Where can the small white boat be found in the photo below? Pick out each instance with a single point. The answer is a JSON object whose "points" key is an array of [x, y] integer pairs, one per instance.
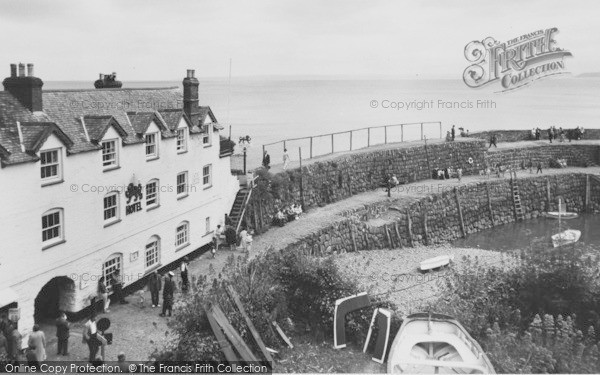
{"points": [[567, 237], [563, 215], [437, 262], [436, 344]]}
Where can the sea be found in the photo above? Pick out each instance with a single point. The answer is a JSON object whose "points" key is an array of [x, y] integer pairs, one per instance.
{"points": [[273, 109]]}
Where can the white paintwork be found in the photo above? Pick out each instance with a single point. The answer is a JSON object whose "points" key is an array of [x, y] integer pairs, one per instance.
{"points": [[439, 261], [26, 268], [566, 237]]}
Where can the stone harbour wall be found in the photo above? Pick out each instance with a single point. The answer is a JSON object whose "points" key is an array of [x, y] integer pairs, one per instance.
{"points": [[576, 155], [525, 135], [437, 218]]}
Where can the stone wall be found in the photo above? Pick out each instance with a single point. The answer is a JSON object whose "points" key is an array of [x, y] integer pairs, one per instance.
{"points": [[576, 155], [437, 218]]}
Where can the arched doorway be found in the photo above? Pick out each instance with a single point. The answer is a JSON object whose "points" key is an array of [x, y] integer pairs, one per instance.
{"points": [[58, 294]]}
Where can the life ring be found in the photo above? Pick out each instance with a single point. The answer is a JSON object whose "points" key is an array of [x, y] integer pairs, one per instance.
{"points": [[470, 160]]}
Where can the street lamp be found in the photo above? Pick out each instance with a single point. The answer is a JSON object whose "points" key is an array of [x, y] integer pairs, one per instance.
{"points": [[245, 142]]}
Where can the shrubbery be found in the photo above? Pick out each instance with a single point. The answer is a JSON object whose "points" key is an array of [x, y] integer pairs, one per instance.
{"points": [[294, 289], [531, 312]]}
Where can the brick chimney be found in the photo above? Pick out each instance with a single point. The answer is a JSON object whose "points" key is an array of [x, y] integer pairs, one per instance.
{"points": [[26, 88], [190, 94]]}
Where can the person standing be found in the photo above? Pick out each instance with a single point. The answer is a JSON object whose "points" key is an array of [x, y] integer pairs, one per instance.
{"points": [[539, 168], [3, 342], [117, 284], [550, 134], [154, 286], [14, 342], [218, 236], [243, 239], [185, 282], [89, 337], [168, 291], [266, 162], [453, 131], [37, 340], [459, 174], [103, 294], [286, 159], [493, 140], [62, 334]]}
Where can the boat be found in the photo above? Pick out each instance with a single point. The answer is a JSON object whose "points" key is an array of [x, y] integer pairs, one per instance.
{"points": [[566, 237], [437, 262], [561, 213], [436, 344]]}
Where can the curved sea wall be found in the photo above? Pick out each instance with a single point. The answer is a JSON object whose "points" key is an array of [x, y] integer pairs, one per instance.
{"points": [[525, 135], [576, 155], [443, 217]]}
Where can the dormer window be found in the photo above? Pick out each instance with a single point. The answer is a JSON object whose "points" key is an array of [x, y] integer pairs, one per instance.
{"points": [[151, 146], [182, 136], [50, 166], [207, 137], [110, 156]]}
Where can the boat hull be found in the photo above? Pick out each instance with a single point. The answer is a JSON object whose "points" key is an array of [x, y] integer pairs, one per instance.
{"points": [[437, 262], [562, 215], [569, 236], [436, 344]]}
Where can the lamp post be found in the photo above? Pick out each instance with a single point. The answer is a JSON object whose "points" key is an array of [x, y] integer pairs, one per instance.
{"points": [[245, 142]]}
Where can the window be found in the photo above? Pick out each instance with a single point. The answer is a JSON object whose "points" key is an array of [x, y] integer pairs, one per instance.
{"points": [[206, 137], [182, 236], [182, 139], [152, 251], [152, 194], [111, 207], [206, 175], [50, 167], [109, 154], [207, 225], [52, 227], [182, 183], [151, 146], [111, 265]]}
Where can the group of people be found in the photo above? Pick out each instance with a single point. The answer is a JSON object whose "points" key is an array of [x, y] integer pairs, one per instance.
{"points": [[11, 342], [266, 161], [288, 214], [558, 134], [451, 134]]}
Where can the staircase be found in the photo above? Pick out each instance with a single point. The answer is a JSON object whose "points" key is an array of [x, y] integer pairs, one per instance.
{"points": [[519, 215], [239, 207]]}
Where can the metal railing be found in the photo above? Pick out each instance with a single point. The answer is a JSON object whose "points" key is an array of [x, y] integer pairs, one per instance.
{"points": [[352, 135]]}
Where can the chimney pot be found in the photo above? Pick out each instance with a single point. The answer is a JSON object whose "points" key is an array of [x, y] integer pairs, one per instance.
{"points": [[30, 70], [21, 70], [13, 70], [191, 73]]}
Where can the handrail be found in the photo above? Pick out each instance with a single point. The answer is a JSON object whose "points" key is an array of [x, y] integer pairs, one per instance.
{"points": [[244, 205]]}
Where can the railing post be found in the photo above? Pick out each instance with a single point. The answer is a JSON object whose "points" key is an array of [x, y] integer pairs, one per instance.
{"points": [[421, 131], [440, 130], [284, 145], [263, 151], [311, 154], [401, 132], [385, 130], [332, 150], [351, 140], [368, 137]]}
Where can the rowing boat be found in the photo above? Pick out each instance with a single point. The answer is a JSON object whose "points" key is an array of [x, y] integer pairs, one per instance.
{"points": [[437, 262], [436, 344]]}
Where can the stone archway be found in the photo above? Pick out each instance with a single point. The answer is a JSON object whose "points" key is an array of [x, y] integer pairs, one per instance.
{"points": [[57, 295]]}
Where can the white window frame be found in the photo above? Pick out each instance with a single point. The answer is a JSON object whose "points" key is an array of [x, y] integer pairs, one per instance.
{"points": [[156, 203], [184, 192], [116, 263], [152, 252], [154, 155], [114, 162], [114, 208], [207, 178], [182, 235], [207, 138], [58, 227], [182, 140], [207, 226], [58, 163]]}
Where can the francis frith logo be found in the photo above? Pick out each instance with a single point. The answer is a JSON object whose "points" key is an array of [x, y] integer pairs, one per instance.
{"points": [[515, 63]]}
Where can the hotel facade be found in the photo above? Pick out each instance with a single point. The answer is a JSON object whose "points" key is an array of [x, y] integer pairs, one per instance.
{"points": [[94, 181]]}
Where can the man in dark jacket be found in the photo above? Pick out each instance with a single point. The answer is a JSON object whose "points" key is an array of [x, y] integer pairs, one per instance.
{"points": [[14, 343], [62, 334], [154, 285], [266, 162], [168, 292], [117, 284]]}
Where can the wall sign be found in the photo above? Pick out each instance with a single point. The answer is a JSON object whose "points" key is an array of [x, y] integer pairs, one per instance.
{"points": [[133, 256], [133, 193], [14, 314]]}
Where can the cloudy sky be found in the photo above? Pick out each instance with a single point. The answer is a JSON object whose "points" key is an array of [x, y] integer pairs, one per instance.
{"points": [[158, 40]]}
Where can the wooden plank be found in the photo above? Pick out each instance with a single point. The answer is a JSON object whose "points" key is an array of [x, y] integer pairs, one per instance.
{"points": [[460, 215], [233, 335], [489, 199], [587, 193], [370, 330], [283, 336], [389, 238], [425, 229], [353, 239], [236, 298], [409, 225], [398, 235], [230, 355]]}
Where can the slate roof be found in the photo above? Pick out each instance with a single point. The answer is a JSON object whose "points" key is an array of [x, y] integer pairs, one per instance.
{"points": [[36, 133], [129, 109]]}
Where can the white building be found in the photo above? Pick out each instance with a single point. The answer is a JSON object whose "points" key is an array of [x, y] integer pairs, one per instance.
{"points": [[98, 180]]}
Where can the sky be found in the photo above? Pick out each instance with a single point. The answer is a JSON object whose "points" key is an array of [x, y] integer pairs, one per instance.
{"points": [[158, 40]]}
